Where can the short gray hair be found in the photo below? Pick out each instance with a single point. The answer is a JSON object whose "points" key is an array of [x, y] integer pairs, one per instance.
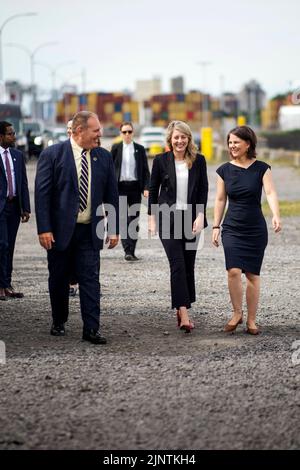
{"points": [[81, 119]]}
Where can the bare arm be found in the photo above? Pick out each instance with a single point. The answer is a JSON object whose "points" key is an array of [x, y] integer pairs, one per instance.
{"points": [[220, 203], [272, 199]]}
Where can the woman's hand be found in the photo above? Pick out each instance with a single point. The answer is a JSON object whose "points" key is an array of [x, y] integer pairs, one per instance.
{"points": [[276, 223], [215, 237], [198, 224], [151, 225]]}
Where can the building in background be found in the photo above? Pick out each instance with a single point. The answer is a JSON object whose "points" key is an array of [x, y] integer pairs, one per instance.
{"points": [[252, 100], [144, 89], [229, 104], [177, 85]]}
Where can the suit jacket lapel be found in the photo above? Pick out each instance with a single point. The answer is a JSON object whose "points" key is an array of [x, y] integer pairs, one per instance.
{"points": [[191, 182], [171, 169], [16, 165], [120, 154], [136, 153], [71, 161], [94, 163], [2, 166]]}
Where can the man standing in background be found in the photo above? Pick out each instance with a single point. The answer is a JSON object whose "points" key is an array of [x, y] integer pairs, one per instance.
{"points": [[14, 205], [132, 173]]}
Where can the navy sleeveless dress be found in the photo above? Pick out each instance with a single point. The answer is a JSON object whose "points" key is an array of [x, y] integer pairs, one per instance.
{"points": [[244, 229]]}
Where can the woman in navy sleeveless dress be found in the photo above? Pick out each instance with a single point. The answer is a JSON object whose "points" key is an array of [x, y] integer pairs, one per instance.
{"points": [[244, 229]]}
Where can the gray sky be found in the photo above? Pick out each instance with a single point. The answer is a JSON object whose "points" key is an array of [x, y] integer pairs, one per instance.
{"points": [[118, 42]]}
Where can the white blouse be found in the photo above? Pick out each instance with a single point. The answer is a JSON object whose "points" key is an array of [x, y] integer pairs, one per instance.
{"points": [[182, 176]]}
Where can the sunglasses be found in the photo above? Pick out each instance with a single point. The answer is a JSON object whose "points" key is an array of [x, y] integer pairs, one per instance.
{"points": [[126, 132]]}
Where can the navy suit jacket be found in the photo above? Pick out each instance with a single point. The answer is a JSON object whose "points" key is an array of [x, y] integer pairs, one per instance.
{"points": [[20, 179], [57, 193]]}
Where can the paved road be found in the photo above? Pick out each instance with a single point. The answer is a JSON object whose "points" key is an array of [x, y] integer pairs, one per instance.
{"points": [[152, 387]]}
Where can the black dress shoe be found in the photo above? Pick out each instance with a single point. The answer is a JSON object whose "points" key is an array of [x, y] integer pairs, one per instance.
{"points": [[129, 257], [58, 330], [10, 292], [93, 336]]}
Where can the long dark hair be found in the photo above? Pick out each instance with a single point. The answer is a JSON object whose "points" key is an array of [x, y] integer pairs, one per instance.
{"points": [[248, 135]]}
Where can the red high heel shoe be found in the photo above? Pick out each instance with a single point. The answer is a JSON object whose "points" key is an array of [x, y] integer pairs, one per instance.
{"points": [[191, 324]]}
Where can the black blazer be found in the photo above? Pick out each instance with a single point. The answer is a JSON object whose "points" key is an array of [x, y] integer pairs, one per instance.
{"points": [[57, 193], [163, 183], [21, 182], [142, 169]]}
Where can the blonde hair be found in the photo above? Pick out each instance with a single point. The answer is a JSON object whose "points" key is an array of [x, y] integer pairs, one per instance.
{"points": [[191, 150]]}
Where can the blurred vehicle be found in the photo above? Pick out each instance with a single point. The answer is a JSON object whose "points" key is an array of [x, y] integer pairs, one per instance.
{"points": [[117, 140], [54, 136], [155, 149], [34, 131], [110, 131], [153, 137], [12, 113]]}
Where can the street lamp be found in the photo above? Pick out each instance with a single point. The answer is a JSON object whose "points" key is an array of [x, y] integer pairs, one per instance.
{"points": [[204, 64], [53, 71], [31, 55], [1, 29]]}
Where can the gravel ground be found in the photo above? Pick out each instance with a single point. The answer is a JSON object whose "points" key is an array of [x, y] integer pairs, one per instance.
{"points": [[152, 386]]}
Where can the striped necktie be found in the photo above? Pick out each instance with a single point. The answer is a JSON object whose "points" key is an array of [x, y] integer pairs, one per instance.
{"points": [[83, 182]]}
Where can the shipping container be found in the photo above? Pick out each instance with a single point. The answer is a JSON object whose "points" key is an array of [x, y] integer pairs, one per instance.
{"points": [[118, 107], [127, 116], [92, 102]]}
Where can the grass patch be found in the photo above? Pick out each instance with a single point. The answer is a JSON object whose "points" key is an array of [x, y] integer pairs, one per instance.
{"points": [[287, 209]]}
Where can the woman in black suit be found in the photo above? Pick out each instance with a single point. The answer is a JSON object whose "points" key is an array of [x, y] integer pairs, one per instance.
{"points": [[177, 203]]}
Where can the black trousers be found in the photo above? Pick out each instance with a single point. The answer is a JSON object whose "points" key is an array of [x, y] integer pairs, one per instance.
{"points": [[9, 224], [85, 260], [181, 253], [130, 189]]}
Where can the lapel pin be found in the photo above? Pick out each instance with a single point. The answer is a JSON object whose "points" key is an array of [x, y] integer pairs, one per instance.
{"points": [[95, 159]]}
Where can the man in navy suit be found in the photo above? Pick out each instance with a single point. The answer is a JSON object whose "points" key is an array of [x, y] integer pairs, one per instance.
{"points": [[14, 205], [74, 180]]}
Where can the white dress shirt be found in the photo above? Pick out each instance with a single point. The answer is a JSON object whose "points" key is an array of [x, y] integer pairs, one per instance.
{"points": [[182, 176], [12, 170], [128, 172]]}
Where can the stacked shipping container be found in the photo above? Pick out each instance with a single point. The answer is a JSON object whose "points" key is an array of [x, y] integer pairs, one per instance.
{"points": [[112, 108]]}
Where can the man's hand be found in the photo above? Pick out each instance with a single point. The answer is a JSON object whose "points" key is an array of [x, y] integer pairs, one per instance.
{"points": [[46, 239], [25, 216], [112, 240]]}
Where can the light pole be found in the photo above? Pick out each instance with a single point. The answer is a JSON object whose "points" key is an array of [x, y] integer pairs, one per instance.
{"points": [[53, 71], [31, 55], [1, 29], [204, 64]]}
